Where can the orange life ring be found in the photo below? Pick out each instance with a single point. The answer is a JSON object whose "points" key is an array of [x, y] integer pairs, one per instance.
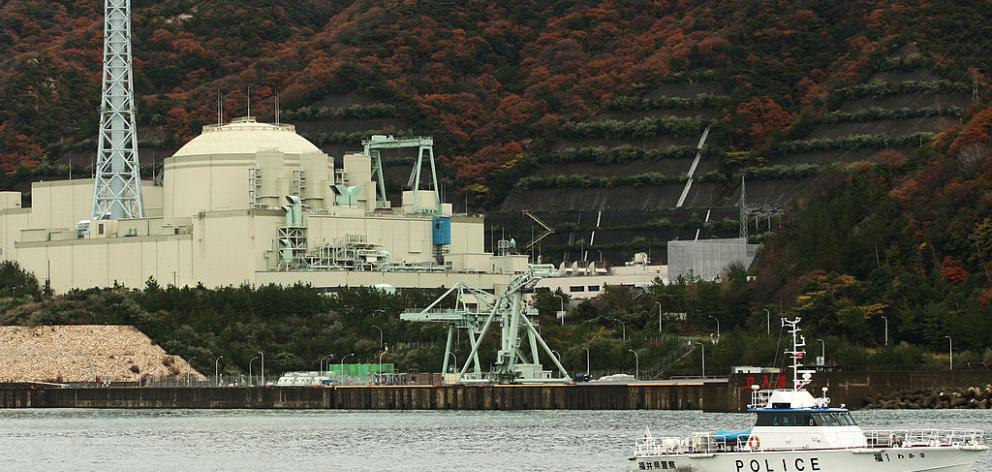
{"points": [[754, 442]]}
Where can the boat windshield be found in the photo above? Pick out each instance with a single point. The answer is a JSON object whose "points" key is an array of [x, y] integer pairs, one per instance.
{"points": [[801, 418]]}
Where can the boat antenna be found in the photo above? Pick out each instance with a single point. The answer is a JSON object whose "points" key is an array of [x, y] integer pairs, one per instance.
{"points": [[800, 377]]}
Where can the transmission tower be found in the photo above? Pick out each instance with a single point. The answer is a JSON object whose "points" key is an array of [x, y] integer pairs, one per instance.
{"points": [[743, 208], [117, 188]]}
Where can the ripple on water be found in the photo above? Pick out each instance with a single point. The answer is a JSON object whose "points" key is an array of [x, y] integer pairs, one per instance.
{"points": [[263, 440]]}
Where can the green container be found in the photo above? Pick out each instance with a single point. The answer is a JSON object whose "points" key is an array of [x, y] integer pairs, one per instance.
{"points": [[361, 370]]}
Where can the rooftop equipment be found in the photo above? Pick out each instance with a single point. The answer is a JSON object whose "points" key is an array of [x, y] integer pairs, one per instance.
{"points": [[425, 147]]}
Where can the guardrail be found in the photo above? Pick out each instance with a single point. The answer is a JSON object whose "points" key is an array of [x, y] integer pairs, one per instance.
{"points": [[707, 443], [924, 438]]}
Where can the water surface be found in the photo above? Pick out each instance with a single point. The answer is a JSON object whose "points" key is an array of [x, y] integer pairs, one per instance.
{"points": [[258, 440]]}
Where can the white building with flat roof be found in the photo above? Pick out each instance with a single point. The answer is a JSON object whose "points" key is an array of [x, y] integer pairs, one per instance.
{"points": [[584, 282], [254, 203]]}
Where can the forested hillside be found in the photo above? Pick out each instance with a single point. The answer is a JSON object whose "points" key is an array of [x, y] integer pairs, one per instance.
{"points": [[488, 79], [869, 121]]}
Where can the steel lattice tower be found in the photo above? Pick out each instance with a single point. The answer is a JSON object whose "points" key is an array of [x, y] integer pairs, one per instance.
{"points": [[117, 191]]}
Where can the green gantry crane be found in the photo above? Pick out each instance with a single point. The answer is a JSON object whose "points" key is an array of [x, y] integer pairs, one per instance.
{"points": [[518, 358], [425, 148]]}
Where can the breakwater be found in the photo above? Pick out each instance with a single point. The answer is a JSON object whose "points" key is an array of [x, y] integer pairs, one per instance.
{"points": [[972, 398], [856, 390], [859, 390], [691, 395]]}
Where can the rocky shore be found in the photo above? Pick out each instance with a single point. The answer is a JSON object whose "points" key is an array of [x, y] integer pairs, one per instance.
{"points": [[975, 398]]}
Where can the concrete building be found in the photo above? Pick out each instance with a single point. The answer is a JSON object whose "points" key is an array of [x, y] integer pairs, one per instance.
{"points": [[587, 282], [708, 259], [254, 203]]}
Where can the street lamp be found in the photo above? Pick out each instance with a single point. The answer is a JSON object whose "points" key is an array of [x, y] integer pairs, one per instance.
{"points": [[624, 325], [189, 371], [561, 314], [217, 370], [454, 365], [250, 378], [322, 363], [587, 360], [659, 316], [380, 362], [717, 327], [950, 348], [558, 355], [380, 335], [262, 369], [886, 319], [768, 321], [637, 365], [823, 351], [342, 362], [702, 357]]}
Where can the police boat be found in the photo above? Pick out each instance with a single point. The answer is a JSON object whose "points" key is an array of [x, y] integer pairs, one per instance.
{"points": [[795, 432]]}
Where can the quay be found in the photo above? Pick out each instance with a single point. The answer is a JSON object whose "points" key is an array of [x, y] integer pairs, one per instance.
{"points": [[668, 395], [713, 395]]}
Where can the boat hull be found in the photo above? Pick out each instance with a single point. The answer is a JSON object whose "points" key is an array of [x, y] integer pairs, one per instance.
{"points": [[915, 459]]}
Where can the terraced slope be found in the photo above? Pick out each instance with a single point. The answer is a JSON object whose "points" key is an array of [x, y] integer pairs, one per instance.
{"points": [[621, 174], [899, 109]]}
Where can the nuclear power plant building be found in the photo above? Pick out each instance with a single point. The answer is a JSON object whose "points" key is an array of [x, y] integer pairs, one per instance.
{"points": [[256, 203]]}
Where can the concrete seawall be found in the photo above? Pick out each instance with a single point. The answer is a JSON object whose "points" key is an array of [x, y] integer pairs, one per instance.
{"points": [[730, 395], [682, 396]]}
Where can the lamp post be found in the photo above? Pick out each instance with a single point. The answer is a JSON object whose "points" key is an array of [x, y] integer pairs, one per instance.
{"points": [[637, 365], [768, 322], [587, 360], [454, 365], [950, 349], [322, 363], [702, 357], [250, 378], [562, 312], [717, 327], [823, 351], [261, 374], [886, 320], [217, 370], [342, 362], [659, 316], [380, 362], [624, 327], [380, 335], [190, 370]]}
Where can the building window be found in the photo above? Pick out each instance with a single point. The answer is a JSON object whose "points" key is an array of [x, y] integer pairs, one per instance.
{"points": [[576, 288], [594, 288], [99, 229]]}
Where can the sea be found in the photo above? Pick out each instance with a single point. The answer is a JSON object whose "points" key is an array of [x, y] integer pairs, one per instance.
{"points": [[282, 441]]}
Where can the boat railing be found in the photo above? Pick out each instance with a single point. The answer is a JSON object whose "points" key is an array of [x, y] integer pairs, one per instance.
{"points": [[697, 443], [708, 443], [925, 438]]}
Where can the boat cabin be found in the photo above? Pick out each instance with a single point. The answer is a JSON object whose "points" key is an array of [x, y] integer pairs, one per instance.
{"points": [[790, 417]]}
